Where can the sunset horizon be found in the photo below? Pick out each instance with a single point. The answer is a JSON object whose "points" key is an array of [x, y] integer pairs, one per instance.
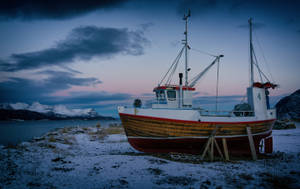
{"points": [[107, 54]]}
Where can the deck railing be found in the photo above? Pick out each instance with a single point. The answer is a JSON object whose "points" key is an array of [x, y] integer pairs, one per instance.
{"points": [[232, 113], [203, 112]]}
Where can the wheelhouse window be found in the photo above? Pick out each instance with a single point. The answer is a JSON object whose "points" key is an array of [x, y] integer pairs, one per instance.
{"points": [[171, 94], [160, 95]]}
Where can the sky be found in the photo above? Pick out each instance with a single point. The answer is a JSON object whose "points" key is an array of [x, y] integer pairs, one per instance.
{"points": [[101, 54]]}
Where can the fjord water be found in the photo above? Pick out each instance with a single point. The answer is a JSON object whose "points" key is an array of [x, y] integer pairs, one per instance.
{"points": [[13, 132]]}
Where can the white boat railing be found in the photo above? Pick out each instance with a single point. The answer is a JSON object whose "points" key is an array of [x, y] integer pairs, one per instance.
{"points": [[232, 113], [203, 112]]}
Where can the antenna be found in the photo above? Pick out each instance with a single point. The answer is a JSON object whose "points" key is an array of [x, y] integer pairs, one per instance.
{"points": [[185, 17], [251, 54]]}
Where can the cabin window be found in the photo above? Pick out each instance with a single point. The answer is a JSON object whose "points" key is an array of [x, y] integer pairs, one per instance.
{"points": [[171, 95], [162, 94]]}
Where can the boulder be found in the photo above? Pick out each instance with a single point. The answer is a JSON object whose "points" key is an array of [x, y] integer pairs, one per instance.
{"points": [[289, 107], [284, 124]]}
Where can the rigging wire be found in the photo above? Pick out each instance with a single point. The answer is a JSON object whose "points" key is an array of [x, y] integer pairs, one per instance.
{"points": [[256, 64], [172, 73], [259, 70], [174, 62], [265, 60], [203, 52], [173, 70]]}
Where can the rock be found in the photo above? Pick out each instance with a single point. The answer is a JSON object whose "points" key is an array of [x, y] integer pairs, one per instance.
{"points": [[289, 107], [283, 124]]}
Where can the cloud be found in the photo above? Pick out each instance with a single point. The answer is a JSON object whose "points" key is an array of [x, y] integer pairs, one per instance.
{"points": [[81, 43], [195, 6], [26, 90], [44, 91], [269, 8], [54, 9], [255, 25], [146, 26], [92, 97]]}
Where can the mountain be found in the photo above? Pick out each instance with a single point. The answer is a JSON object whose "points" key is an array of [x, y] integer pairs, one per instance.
{"points": [[289, 107], [37, 111]]}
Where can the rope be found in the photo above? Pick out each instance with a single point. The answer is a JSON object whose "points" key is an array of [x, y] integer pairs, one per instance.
{"points": [[265, 60], [174, 68], [259, 70], [174, 62], [203, 52], [256, 63]]}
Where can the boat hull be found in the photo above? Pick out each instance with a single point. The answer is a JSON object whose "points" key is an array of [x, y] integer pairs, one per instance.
{"points": [[160, 135]]}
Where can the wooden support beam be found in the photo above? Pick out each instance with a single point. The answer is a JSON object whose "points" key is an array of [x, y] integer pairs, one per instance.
{"points": [[211, 157], [209, 146], [251, 143], [225, 149], [206, 148], [218, 149]]}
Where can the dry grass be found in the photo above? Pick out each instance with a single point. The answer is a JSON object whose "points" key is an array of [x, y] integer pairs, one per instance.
{"points": [[70, 140], [46, 145], [66, 129], [103, 132], [52, 139], [114, 130]]}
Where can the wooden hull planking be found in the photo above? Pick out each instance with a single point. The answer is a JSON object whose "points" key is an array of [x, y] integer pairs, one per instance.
{"points": [[160, 135]]}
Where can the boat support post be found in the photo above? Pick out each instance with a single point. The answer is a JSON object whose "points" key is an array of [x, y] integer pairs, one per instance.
{"points": [[225, 149], [211, 142], [251, 143]]}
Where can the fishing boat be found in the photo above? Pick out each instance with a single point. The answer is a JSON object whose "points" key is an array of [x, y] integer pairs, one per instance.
{"points": [[173, 124]]}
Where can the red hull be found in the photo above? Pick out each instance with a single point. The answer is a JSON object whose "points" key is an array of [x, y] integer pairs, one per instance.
{"points": [[160, 135], [236, 146]]}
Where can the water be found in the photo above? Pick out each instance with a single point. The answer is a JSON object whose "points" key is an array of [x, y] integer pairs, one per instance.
{"points": [[13, 132]]}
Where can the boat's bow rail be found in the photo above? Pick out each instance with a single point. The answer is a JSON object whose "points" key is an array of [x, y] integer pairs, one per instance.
{"points": [[226, 113]]}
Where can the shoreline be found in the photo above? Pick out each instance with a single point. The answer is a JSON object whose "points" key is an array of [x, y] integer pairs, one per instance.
{"points": [[94, 157]]}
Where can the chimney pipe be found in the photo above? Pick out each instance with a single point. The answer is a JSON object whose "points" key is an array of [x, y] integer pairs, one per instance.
{"points": [[180, 78], [180, 100]]}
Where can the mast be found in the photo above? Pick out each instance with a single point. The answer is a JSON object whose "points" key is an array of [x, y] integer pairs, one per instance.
{"points": [[251, 54], [185, 17]]}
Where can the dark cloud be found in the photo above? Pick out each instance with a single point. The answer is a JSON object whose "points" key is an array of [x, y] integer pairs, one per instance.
{"points": [[255, 25], [52, 9], [270, 8], [26, 90], [82, 43], [29, 91], [63, 80], [195, 6]]}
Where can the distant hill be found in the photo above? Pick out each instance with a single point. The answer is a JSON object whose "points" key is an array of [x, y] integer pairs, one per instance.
{"points": [[37, 111], [289, 107]]}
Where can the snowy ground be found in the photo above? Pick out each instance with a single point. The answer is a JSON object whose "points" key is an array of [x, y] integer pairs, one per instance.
{"points": [[91, 158]]}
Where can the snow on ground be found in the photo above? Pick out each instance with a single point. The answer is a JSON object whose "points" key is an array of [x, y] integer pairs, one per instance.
{"points": [[58, 109], [99, 158]]}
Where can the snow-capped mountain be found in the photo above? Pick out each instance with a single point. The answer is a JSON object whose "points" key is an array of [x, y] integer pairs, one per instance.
{"points": [[57, 110]]}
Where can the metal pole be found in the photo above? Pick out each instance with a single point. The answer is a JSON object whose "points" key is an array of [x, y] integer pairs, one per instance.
{"points": [[186, 49], [251, 54], [217, 87]]}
